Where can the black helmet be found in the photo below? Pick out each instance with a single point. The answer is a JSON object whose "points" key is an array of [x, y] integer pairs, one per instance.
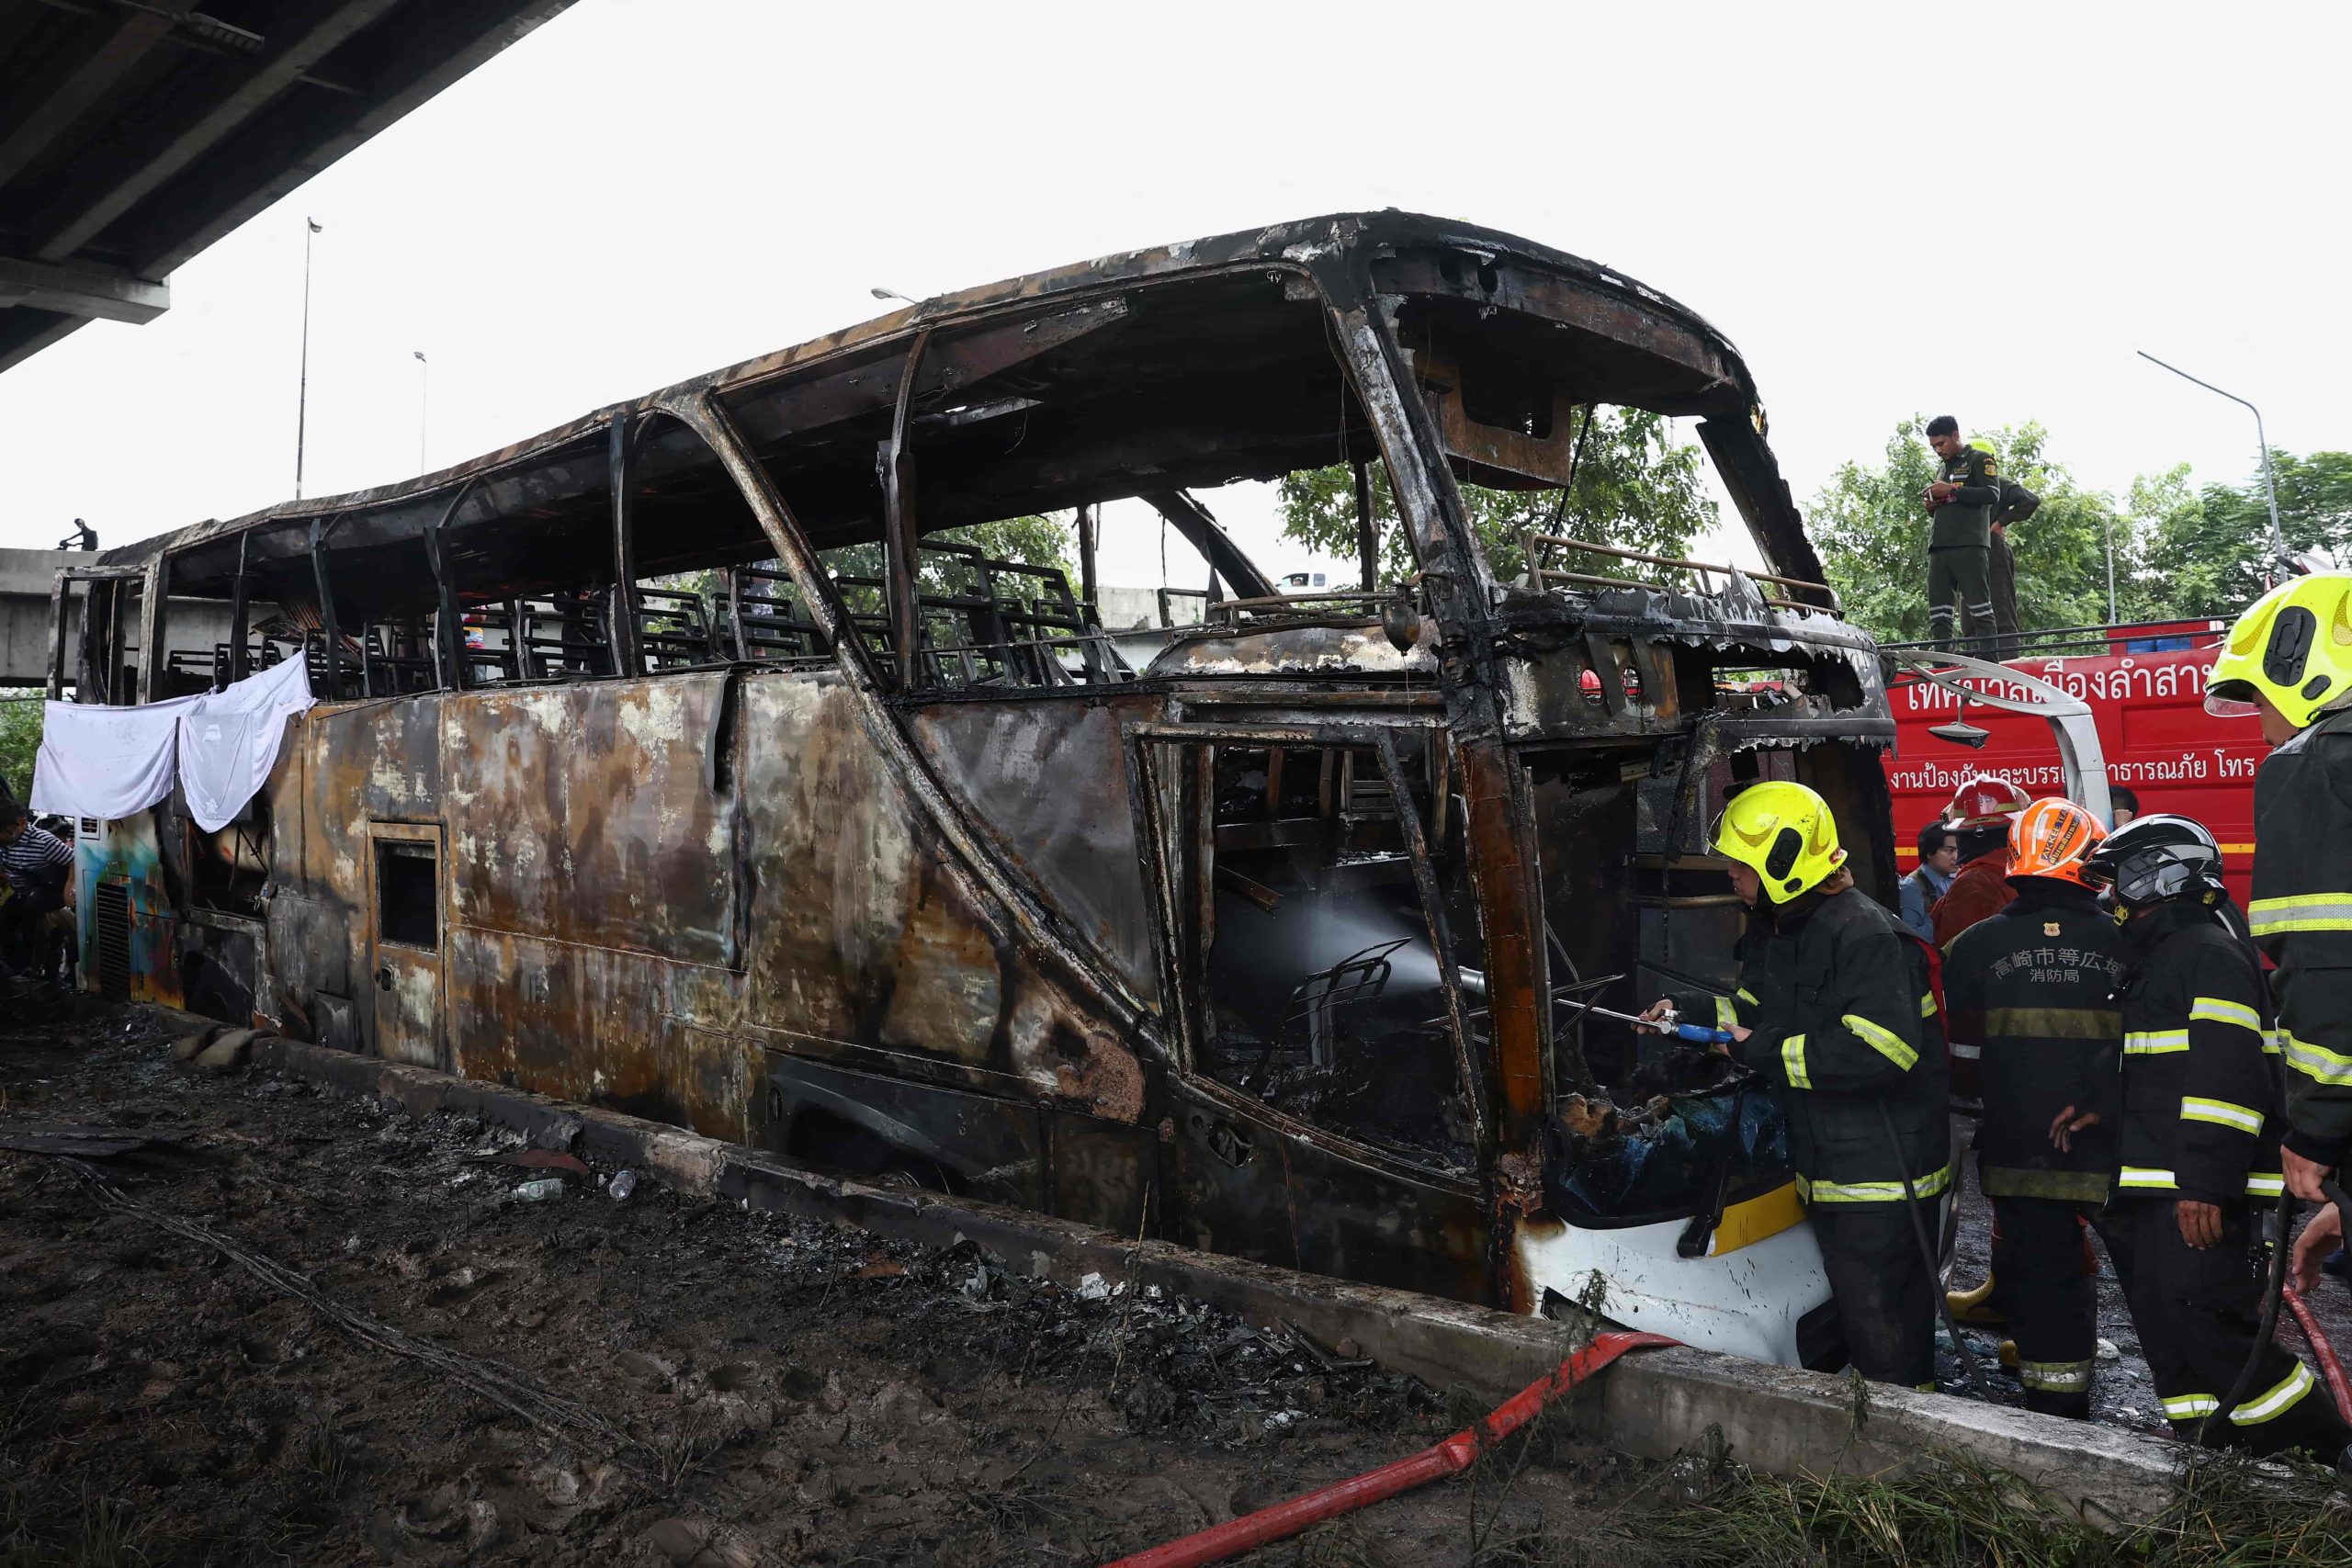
{"points": [[2153, 860]]}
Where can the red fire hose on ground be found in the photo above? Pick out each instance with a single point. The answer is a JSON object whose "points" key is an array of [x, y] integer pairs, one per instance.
{"points": [[1454, 1455], [2323, 1352]]}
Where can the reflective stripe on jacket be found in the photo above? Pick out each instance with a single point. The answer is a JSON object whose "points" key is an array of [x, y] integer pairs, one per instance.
{"points": [[2033, 989], [2200, 1079], [2302, 916], [1844, 1017]]}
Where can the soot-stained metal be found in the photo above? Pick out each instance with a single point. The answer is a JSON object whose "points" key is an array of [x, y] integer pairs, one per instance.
{"points": [[712, 758]]}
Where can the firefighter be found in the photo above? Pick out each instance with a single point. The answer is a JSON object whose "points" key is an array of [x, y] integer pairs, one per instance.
{"points": [[1980, 812], [2199, 1143], [1836, 1007], [2032, 986], [2288, 662]]}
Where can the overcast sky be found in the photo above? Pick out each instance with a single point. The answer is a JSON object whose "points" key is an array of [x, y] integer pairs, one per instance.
{"points": [[1980, 210]]}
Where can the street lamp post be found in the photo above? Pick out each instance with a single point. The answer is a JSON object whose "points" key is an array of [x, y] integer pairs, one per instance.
{"points": [[2269, 483], [302, 395], [2106, 526], [424, 392]]}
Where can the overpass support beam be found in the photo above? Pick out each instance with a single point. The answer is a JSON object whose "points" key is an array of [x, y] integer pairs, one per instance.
{"points": [[82, 291]]}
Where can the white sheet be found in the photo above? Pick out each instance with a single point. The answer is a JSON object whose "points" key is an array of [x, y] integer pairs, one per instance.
{"points": [[109, 763], [216, 766], [230, 740], [112, 762]]}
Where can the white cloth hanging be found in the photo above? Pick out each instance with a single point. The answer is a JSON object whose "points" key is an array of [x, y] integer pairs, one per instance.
{"points": [[109, 763], [216, 766], [228, 742], [112, 762]]}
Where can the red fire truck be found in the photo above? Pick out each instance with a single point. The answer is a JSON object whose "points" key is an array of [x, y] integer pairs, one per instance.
{"points": [[2145, 687]]}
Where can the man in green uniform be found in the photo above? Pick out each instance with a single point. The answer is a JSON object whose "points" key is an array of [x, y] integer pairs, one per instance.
{"points": [[2016, 505], [1836, 1009], [1960, 538]]}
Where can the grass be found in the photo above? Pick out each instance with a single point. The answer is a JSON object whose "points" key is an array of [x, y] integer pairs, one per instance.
{"points": [[1701, 1511], [107, 1535], [1961, 1514]]}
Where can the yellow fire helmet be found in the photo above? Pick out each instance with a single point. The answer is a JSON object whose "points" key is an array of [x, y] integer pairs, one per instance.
{"points": [[2294, 646], [1785, 833]]}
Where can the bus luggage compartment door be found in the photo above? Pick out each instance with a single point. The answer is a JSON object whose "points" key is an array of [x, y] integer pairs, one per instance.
{"points": [[404, 940]]}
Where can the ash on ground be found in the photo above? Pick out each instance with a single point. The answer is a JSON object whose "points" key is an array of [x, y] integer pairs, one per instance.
{"points": [[729, 1387]]}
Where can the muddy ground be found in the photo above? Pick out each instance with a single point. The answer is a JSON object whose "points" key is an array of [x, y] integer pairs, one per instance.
{"points": [[444, 1371], [718, 1386]]}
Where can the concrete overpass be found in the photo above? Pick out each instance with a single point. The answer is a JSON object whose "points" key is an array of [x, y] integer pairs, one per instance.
{"points": [[133, 133], [27, 579]]}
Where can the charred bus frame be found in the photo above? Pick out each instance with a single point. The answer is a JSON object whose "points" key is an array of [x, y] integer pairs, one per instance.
{"points": [[868, 846]]}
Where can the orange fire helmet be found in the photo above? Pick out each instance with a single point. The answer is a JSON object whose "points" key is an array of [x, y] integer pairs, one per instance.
{"points": [[2053, 837], [1985, 802]]}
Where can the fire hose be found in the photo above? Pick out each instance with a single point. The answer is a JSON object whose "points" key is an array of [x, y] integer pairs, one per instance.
{"points": [[2323, 1352], [2274, 1293], [1454, 1455]]}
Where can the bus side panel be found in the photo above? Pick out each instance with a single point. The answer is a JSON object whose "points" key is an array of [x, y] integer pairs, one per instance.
{"points": [[1048, 782], [365, 763], [600, 815], [865, 930], [628, 1031], [127, 927]]}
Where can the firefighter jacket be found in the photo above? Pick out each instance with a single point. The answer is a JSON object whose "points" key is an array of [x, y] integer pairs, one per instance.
{"points": [[1843, 1009], [2302, 916], [2200, 1084], [2033, 989], [1979, 890]]}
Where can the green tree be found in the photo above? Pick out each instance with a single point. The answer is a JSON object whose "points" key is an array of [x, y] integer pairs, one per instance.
{"points": [[1871, 532], [1870, 525], [2061, 550], [19, 739], [2175, 570], [1634, 486], [2208, 552]]}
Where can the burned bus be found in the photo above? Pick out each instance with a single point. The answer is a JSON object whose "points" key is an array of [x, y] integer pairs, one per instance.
{"points": [[711, 758]]}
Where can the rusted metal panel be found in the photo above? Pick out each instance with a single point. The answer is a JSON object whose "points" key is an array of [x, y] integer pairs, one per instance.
{"points": [[407, 895], [1048, 783], [1101, 1172], [865, 932], [600, 815], [1388, 1226], [623, 1029], [983, 1144]]}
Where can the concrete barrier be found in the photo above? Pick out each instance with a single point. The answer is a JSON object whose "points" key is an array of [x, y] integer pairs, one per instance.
{"points": [[26, 579], [1654, 1404]]}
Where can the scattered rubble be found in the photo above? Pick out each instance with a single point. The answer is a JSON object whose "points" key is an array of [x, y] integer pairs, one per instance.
{"points": [[752, 1389]]}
